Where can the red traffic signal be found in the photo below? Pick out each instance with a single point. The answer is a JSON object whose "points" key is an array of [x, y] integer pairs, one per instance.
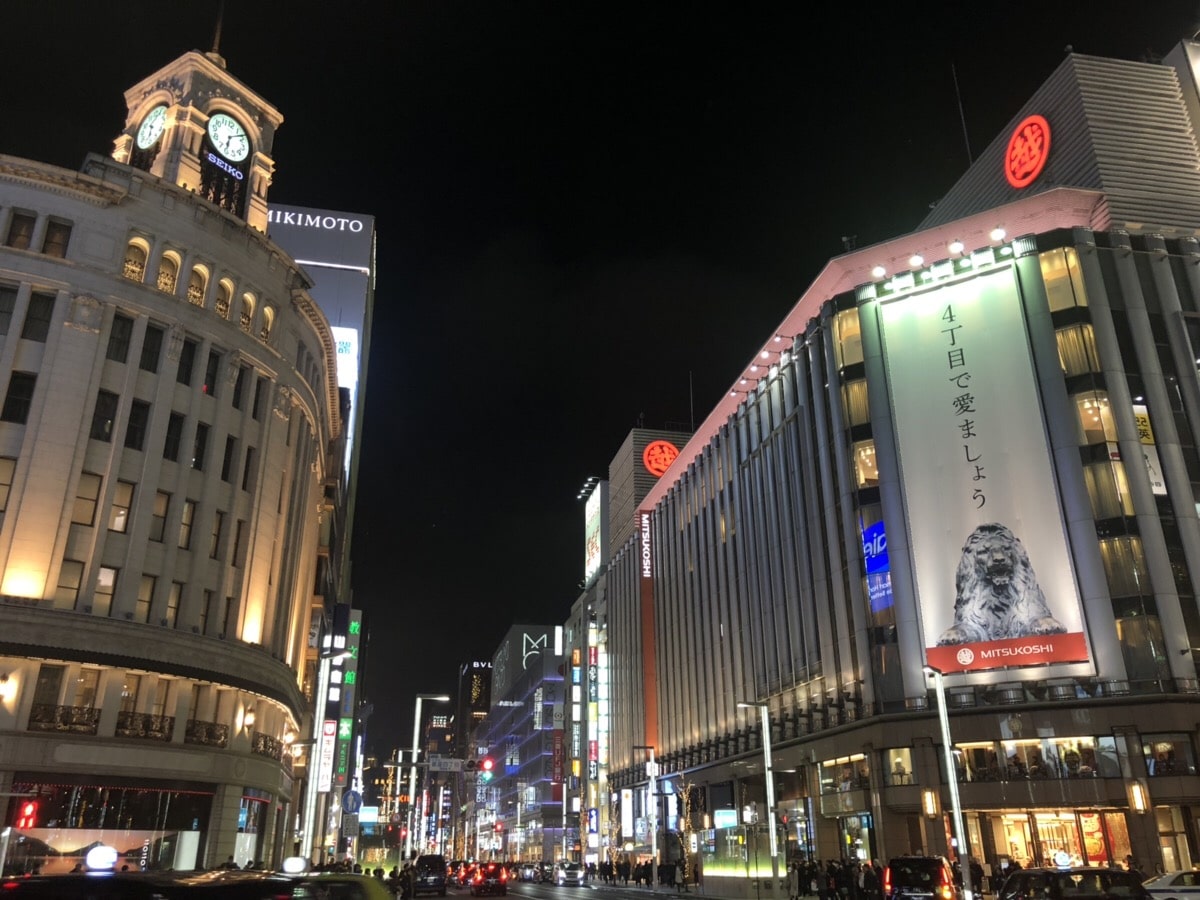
{"points": [[28, 814]]}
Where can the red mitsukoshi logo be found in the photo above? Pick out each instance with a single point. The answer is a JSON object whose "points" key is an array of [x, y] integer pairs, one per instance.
{"points": [[658, 456], [1028, 149]]}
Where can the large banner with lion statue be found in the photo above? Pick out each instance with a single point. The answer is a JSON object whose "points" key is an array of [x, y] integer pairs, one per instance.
{"points": [[993, 574]]}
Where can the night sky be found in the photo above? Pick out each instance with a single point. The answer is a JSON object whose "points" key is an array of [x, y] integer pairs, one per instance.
{"points": [[588, 215]]}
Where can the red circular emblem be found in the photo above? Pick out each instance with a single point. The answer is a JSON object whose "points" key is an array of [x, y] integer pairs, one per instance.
{"points": [[1028, 149], [658, 456]]}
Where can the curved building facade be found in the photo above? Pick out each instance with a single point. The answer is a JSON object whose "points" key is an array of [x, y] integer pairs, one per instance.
{"points": [[972, 449], [170, 436]]}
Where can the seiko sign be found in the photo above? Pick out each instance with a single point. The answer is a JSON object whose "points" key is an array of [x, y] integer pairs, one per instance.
{"points": [[315, 220], [221, 164]]}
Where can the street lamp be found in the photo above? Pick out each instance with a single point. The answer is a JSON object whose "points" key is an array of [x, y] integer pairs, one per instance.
{"points": [[651, 775], [964, 850], [412, 774], [765, 719]]}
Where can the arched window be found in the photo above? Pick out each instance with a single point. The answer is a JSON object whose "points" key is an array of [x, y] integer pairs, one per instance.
{"points": [[224, 297], [247, 313], [136, 254], [197, 285], [268, 320], [168, 273]]}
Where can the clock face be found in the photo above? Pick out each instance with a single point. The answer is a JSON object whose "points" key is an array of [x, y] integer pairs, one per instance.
{"points": [[151, 128], [229, 137]]}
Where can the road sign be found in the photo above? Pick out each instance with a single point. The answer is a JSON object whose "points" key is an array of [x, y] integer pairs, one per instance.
{"points": [[351, 801], [350, 825], [445, 764]]}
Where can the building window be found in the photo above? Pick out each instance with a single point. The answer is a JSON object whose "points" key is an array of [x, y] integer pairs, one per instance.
{"points": [[58, 235], [168, 273], [118, 517], [19, 399], [8, 466], [855, 407], [248, 470], [37, 318], [1077, 349], [1063, 278], [866, 470], [224, 298], [214, 544], [206, 609], [173, 599], [70, 578], [230, 455], [136, 254], [151, 349], [119, 338], [158, 517], [20, 231], [268, 322], [87, 494], [185, 524], [139, 419], [144, 598], [174, 437], [199, 446], [1108, 489], [130, 687], [246, 317], [848, 335], [104, 415], [260, 390], [900, 768], [239, 545], [187, 362], [239, 387], [106, 587], [197, 285], [8, 302], [211, 372]]}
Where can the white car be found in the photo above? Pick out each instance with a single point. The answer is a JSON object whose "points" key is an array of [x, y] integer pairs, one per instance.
{"points": [[1174, 885], [570, 873]]}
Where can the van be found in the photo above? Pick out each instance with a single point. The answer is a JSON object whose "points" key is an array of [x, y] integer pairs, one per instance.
{"points": [[429, 875]]}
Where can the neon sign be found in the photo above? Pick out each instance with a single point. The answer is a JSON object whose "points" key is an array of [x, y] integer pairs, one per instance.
{"points": [[658, 456], [1028, 149]]}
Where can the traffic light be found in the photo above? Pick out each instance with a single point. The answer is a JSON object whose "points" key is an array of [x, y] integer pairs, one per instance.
{"points": [[28, 814], [485, 768]]}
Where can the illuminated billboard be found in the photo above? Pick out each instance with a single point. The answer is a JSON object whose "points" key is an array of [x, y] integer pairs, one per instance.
{"points": [[595, 535], [992, 570]]}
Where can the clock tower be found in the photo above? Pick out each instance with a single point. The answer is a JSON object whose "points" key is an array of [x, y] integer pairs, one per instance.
{"points": [[194, 124]]}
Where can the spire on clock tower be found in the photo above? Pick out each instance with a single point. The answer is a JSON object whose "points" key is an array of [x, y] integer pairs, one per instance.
{"points": [[194, 124]]}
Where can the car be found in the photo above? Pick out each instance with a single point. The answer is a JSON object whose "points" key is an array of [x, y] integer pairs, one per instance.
{"points": [[570, 873], [531, 871], [217, 885], [918, 877], [429, 875], [489, 878], [1174, 885], [330, 885], [1073, 883]]}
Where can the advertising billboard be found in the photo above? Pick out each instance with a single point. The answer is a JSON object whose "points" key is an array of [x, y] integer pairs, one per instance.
{"points": [[992, 569], [594, 532]]}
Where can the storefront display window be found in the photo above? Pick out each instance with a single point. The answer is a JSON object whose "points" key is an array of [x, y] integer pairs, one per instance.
{"points": [[1087, 837], [1172, 839], [900, 768], [1168, 754], [846, 773]]}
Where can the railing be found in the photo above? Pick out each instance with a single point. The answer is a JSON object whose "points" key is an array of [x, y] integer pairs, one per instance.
{"points": [[71, 719], [265, 745], [207, 734], [145, 725]]}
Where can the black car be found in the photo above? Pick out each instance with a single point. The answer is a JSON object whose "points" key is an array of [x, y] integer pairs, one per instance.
{"points": [[429, 875], [1070, 883], [919, 878], [489, 878]]}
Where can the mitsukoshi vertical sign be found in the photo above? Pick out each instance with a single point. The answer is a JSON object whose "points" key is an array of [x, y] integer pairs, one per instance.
{"points": [[993, 573]]}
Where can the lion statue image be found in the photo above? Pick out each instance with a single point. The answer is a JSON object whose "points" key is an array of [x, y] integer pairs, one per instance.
{"points": [[998, 595]]}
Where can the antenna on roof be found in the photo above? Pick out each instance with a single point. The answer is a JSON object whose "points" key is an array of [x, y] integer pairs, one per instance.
{"points": [[215, 53], [961, 115], [691, 401]]}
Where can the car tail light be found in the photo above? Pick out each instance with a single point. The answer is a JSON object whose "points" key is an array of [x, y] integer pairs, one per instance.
{"points": [[946, 888], [887, 881], [504, 874]]}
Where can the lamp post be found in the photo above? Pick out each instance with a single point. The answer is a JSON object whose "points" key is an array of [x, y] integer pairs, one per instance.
{"points": [[964, 850], [652, 786], [765, 720], [412, 773]]}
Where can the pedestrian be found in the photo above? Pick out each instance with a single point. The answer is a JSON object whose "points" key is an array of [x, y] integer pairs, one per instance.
{"points": [[678, 876], [794, 877]]}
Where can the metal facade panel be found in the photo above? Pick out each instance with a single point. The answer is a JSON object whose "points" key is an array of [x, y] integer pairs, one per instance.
{"points": [[1116, 126]]}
